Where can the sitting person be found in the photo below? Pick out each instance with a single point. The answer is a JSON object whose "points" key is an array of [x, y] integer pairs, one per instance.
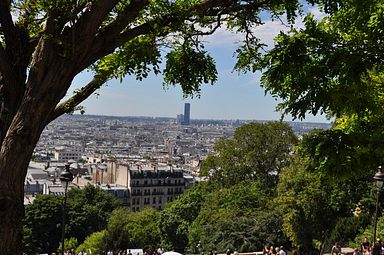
{"points": [[336, 249]]}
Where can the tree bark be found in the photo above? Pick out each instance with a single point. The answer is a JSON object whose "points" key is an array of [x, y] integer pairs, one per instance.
{"points": [[14, 159], [48, 80]]}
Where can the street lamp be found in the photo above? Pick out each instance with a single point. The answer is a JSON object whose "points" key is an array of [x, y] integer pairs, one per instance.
{"points": [[65, 177], [379, 178]]}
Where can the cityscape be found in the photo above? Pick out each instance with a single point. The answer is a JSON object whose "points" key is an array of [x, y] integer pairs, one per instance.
{"points": [[144, 161]]}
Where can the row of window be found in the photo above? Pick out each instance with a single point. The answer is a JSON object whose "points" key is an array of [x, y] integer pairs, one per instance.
{"points": [[147, 192], [136, 201], [159, 182]]}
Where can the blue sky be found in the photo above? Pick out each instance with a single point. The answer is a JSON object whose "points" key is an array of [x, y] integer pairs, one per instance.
{"points": [[234, 96]]}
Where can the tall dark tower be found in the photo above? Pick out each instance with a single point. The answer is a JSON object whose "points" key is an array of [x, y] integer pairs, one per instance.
{"points": [[187, 109]]}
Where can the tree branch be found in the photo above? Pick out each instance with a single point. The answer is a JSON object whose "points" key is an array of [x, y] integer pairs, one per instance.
{"points": [[6, 22], [6, 67], [69, 105], [115, 35]]}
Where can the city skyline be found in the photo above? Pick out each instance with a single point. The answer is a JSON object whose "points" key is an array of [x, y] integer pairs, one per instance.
{"points": [[234, 96]]}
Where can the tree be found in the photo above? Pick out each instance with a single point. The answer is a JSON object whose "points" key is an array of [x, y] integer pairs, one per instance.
{"points": [[87, 211], [333, 66], [94, 243], [44, 44], [176, 218], [42, 229], [258, 151], [312, 203], [238, 217], [127, 229]]}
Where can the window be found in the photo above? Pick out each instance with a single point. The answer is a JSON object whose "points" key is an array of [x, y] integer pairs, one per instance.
{"points": [[154, 200]]}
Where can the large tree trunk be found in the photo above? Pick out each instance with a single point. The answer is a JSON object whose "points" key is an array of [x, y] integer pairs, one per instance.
{"points": [[14, 159], [47, 82]]}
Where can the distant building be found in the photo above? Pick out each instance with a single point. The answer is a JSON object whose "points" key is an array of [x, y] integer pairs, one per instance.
{"points": [[187, 111], [148, 187], [63, 154], [180, 118]]}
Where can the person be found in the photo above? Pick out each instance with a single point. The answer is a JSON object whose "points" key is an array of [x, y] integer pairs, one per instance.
{"points": [[282, 252], [129, 252], [376, 249], [365, 247], [228, 252], [265, 250], [356, 251], [272, 250], [336, 249], [235, 252]]}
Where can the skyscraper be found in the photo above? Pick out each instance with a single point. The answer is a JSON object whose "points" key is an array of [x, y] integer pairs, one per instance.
{"points": [[187, 109]]}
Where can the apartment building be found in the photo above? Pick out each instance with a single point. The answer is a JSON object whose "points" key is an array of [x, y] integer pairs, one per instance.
{"points": [[148, 186]]}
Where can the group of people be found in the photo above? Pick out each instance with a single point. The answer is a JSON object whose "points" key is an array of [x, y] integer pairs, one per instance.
{"points": [[365, 248], [274, 250]]}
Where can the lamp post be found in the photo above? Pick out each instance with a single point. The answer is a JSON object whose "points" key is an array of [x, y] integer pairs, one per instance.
{"points": [[65, 177], [379, 178]]}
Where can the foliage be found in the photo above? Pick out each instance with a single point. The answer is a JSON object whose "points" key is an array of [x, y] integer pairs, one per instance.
{"points": [[189, 61], [258, 151], [347, 228], [351, 148], [70, 244], [238, 217], [333, 64], [177, 217], [42, 224], [87, 211], [127, 229], [367, 231], [94, 243], [311, 203]]}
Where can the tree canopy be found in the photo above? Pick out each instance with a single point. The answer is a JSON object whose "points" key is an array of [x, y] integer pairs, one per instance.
{"points": [[258, 151], [332, 66], [87, 211]]}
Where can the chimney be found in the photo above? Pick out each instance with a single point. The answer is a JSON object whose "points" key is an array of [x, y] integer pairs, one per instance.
{"points": [[155, 167]]}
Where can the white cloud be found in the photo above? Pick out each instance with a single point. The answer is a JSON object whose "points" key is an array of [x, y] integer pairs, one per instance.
{"points": [[266, 32]]}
